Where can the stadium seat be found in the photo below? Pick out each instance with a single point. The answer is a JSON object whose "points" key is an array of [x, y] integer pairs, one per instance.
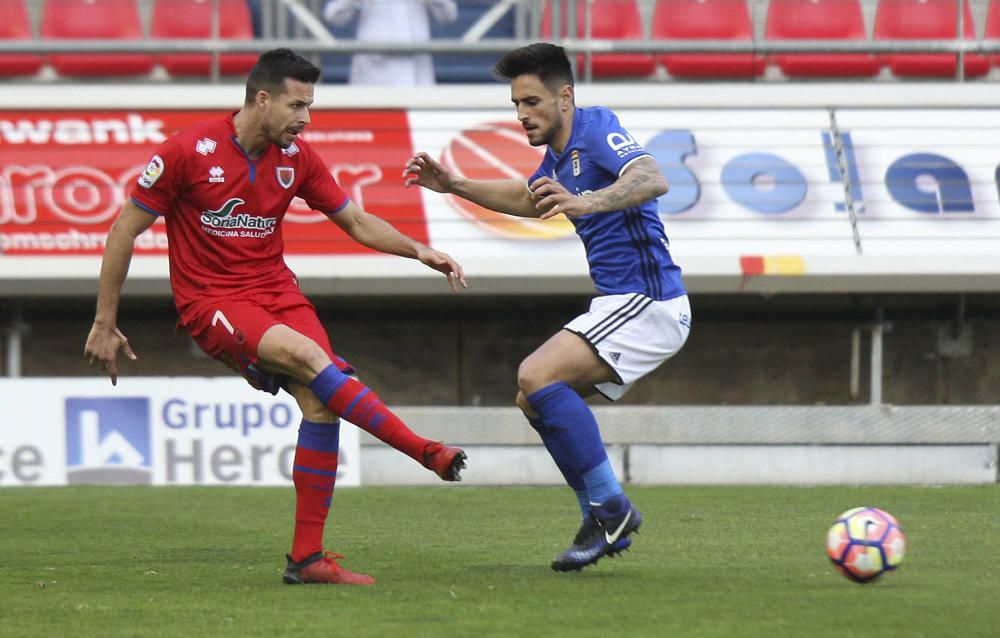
{"points": [[926, 20], [95, 20], [820, 20], [192, 19], [706, 20], [609, 20], [469, 67], [992, 31], [15, 25]]}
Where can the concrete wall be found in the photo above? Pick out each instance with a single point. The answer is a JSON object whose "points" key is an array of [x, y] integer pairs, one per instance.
{"points": [[459, 350], [719, 445]]}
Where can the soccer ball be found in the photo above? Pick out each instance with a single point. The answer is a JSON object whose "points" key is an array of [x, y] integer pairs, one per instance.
{"points": [[865, 542]]}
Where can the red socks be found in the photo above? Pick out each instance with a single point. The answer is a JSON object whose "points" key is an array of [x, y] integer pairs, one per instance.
{"points": [[355, 402], [314, 473]]}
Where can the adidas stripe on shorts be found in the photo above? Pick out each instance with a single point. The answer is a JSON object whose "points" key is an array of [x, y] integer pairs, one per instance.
{"points": [[633, 334]]}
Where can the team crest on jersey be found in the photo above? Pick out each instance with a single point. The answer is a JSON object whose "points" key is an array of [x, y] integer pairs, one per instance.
{"points": [[291, 150], [152, 173], [286, 175], [576, 162], [205, 146]]}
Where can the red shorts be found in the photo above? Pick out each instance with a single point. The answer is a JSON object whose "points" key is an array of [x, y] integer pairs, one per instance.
{"points": [[230, 328]]}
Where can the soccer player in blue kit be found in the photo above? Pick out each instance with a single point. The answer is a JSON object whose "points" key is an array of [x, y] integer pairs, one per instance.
{"points": [[596, 174]]}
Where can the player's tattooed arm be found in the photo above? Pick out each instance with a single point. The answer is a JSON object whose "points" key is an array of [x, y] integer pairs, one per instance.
{"points": [[640, 182]]}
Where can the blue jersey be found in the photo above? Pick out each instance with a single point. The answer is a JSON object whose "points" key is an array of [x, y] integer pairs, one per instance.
{"points": [[627, 250]]}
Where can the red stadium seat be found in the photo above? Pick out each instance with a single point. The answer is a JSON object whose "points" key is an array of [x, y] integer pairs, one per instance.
{"points": [[706, 20], [926, 20], [95, 20], [14, 25], [609, 20], [192, 20], [993, 28], [820, 20]]}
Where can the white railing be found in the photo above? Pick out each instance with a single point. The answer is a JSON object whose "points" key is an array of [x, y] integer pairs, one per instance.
{"points": [[295, 24]]}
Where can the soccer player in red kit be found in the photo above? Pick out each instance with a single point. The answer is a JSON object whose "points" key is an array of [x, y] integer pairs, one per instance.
{"points": [[223, 187]]}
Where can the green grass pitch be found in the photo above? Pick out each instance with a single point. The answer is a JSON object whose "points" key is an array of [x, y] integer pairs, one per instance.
{"points": [[471, 561]]}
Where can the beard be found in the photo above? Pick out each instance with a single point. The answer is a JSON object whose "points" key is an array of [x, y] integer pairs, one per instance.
{"points": [[549, 134]]}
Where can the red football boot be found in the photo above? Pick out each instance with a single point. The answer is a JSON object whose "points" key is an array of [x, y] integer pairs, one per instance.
{"points": [[445, 461], [322, 568]]}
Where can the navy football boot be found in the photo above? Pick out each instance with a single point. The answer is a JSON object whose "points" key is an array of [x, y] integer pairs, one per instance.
{"points": [[604, 533]]}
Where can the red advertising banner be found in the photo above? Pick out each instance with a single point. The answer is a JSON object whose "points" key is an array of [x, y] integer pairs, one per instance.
{"points": [[65, 174]]}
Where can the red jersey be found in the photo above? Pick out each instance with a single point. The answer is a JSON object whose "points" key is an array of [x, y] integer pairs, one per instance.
{"points": [[223, 209]]}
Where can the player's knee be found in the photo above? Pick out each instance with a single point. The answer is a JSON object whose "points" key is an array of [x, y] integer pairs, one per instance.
{"points": [[522, 402], [530, 379], [301, 357]]}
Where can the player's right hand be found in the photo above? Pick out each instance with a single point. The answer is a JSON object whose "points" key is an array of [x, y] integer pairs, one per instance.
{"points": [[102, 347], [425, 171]]}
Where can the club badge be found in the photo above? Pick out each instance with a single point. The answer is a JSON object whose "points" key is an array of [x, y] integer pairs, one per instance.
{"points": [[286, 175]]}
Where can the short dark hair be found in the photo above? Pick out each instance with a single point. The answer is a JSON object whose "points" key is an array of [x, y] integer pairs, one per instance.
{"points": [[548, 61], [273, 67]]}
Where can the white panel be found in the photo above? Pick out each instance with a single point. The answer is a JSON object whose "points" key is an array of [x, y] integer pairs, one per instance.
{"points": [[944, 94], [487, 465], [796, 464], [152, 430]]}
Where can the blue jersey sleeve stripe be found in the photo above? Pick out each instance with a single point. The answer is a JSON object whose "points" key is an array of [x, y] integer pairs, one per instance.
{"points": [[342, 207], [146, 208]]}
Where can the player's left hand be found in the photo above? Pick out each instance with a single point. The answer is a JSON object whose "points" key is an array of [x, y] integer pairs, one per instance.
{"points": [[552, 198], [443, 263]]}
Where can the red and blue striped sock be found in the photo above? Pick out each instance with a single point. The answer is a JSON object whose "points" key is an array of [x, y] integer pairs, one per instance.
{"points": [[314, 473], [353, 401]]}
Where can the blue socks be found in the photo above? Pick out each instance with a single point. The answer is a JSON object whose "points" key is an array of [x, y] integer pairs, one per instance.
{"points": [[571, 435], [573, 479], [602, 484]]}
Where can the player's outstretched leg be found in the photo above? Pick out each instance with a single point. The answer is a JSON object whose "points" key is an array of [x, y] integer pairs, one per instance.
{"points": [[322, 567], [354, 401], [606, 533]]}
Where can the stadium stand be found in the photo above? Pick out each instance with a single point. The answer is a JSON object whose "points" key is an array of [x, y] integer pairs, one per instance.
{"points": [[820, 20], [992, 31], [16, 25], [336, 66], [271, 20], [926, 19], [192, 19], [464, 67], [852, 21], [609, 19], [95, 20], [706, 20]]}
